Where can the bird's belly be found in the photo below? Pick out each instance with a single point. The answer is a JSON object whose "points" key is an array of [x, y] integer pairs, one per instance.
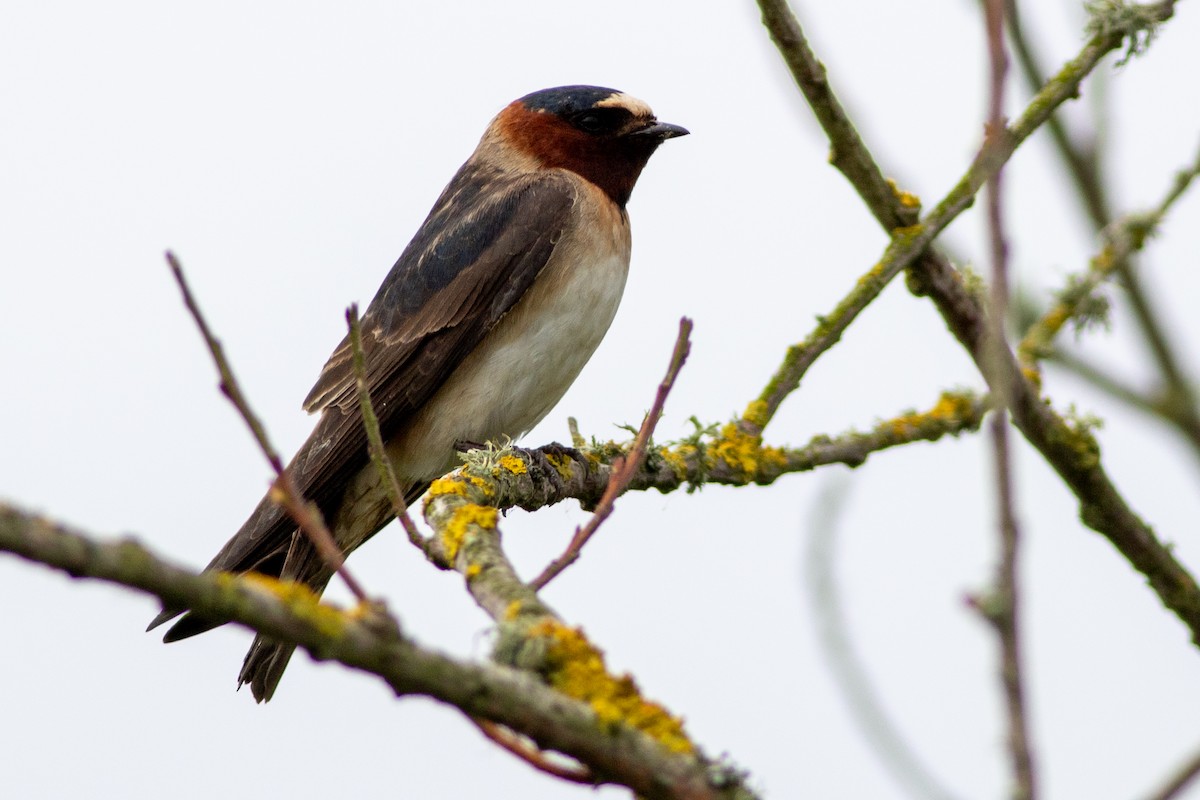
{"points": [[522, 368]]}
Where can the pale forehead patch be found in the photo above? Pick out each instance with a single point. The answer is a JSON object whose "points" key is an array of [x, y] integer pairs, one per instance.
{"points": [[627, 102]]}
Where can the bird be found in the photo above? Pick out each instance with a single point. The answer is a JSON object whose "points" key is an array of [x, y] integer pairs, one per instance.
{"points": [[478, 330]]}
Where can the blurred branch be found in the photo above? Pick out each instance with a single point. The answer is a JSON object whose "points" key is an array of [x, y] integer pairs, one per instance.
{"points": [[1180, 780], [1106, 382], [1002, 605], [1082, 162], [845, 665], [1084, 168], [1175, 403], [373, 643], [499, 735], [284, 490], [623, 468]]}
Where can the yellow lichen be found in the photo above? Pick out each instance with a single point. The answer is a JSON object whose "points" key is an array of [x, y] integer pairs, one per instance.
{"points": [[561, 463], [447, 486], [907, 199], [907, 233], [904, 426], [301, 601], [512, 610], [744, 452], [952, 406], [677, 458], [1033, 375], [1054, 320], [576, 668], [874, 274], [513, 464], [464, 517], [756, 414], [485, 488], [473, 571]]}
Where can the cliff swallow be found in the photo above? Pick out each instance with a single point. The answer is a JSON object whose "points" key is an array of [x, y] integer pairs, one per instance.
{"points": [[476, 333]]}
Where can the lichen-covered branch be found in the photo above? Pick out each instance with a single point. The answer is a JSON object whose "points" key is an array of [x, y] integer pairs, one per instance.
{"points": [[1122, 239], [1081, 160], [516, 477], [530, 635], [896, 210], [1072, 453], [613, 751]]}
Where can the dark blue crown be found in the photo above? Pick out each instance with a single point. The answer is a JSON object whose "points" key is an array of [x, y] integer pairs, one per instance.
{"points": [[563, 100]]}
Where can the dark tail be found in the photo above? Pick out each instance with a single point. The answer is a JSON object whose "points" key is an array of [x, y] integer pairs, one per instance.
{"points": [[264, 666]]}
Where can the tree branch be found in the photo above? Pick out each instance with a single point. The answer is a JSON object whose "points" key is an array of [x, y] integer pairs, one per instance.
{"points": [[1072, 453], [374, 644]]}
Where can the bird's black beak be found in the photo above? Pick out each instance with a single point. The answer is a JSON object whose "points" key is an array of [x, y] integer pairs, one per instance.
{"points": [[661, 131]]}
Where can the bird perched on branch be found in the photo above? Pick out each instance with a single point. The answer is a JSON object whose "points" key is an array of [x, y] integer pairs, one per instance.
{"points": [[476, 333]]}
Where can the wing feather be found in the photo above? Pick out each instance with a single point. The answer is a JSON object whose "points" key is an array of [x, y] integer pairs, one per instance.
{"points": [[483, 245]]}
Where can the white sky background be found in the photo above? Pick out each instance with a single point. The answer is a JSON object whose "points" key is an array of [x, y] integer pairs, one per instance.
{"points": [[288, 151]]}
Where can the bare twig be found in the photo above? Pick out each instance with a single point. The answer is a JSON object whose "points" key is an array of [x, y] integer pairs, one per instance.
{"points": [[623, 472], [1180, 780], [1002, 608], [375, 437], [1082, 161], [283, 490], [532, 756]]}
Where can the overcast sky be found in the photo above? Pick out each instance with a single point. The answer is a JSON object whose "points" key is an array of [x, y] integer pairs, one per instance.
{"points": [[288, 151]]}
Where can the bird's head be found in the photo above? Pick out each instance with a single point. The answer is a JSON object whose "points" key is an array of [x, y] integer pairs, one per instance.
{"points": [[601, 134]]}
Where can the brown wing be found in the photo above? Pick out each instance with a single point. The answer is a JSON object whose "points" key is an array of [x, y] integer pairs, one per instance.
{"points": [[482, 246]]}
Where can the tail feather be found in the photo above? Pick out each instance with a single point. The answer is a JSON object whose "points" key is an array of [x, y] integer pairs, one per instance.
{"points": [[264, 666], [297, 560]]}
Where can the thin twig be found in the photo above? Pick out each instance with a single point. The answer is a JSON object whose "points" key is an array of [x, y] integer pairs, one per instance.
{"points": [[623, 473], [1004, 604], [283, 490], [1179, 780], [1083, 162], [532, 756], [375, 437]]}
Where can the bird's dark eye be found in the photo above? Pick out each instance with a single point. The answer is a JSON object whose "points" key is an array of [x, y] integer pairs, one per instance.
{"points": [[591, 123], [600, 121]]}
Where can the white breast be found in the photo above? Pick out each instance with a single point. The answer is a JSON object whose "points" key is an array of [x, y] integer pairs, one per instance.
{"points": [[526, 364]]}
